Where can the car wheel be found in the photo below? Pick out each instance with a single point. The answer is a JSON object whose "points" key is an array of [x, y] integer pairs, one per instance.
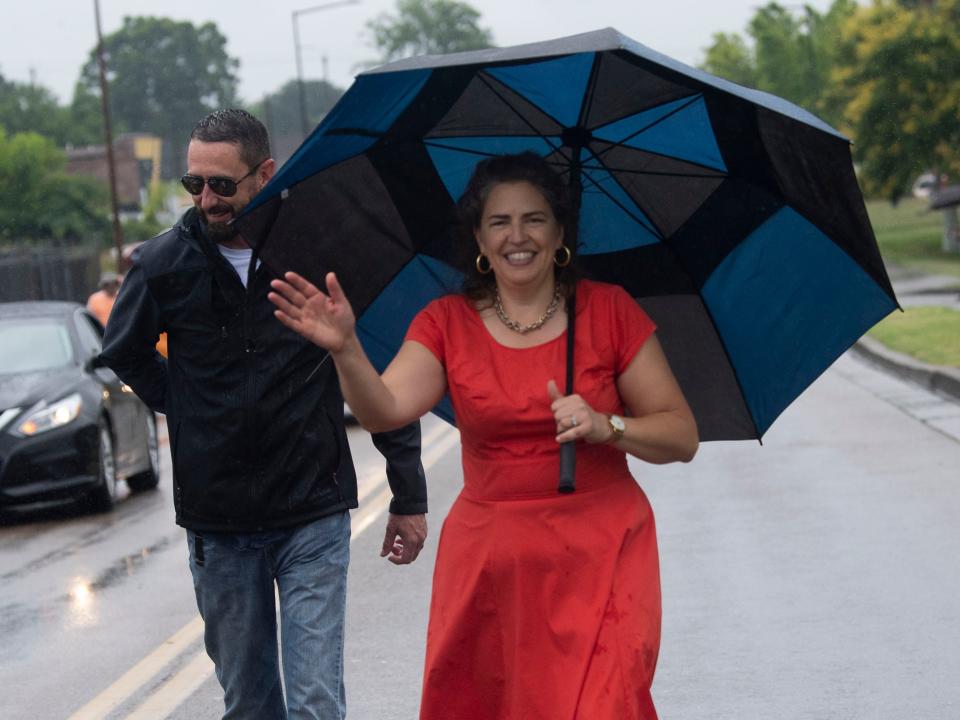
{"points": [[148, 479], [103, 496]]}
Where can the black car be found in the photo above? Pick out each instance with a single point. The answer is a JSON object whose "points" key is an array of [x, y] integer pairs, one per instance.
{"points": [[69, 427]]}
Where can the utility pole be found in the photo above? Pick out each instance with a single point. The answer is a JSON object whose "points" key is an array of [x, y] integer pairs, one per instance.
{"points": [[304, 126], [108, 141]]}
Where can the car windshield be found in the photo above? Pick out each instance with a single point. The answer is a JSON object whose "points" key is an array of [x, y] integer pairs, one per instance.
{"points": [[32, 345]]}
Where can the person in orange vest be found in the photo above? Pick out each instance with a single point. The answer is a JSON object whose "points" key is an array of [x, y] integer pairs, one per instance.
{"points": [[100, 303]]}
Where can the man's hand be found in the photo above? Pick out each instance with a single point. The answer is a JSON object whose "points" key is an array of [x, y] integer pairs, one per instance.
{"points": [[404, 538]]}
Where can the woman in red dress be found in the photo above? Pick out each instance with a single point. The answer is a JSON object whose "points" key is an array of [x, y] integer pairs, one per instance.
{"points": [[545, 606]]}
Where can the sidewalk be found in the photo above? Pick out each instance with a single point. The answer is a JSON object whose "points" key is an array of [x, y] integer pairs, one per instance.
{"points": [[913, 289]]}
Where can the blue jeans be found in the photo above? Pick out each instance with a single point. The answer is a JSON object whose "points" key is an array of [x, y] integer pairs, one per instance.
{"points": [[234, 576]]}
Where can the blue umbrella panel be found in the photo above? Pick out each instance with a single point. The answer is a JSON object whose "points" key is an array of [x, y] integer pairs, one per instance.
{"points": [[732, 216]]}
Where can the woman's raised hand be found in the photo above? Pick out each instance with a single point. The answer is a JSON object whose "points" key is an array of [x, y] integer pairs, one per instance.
{"points": [[326, 320]]}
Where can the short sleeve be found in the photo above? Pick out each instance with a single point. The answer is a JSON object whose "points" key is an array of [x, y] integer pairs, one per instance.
{"points": [[632, 327], [427, 329]]}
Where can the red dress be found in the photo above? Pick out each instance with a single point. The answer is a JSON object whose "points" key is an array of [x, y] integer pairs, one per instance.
{"points": [[545, 606]]}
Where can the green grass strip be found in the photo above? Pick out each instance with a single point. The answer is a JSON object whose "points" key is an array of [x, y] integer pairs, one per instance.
{"points": [[930, 333]]}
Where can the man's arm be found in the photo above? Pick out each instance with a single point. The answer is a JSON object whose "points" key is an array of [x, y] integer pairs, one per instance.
{"points": [[130, 341], [407, 524]]}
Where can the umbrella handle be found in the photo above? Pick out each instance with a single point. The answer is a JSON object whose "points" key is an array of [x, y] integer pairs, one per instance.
{"points": [[568, 462]]}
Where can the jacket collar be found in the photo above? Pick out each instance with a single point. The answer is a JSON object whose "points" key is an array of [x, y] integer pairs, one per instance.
{"points": [[191, 229]]}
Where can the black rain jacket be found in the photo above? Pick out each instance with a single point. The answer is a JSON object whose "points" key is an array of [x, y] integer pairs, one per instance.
{"points": [[254, 411]]}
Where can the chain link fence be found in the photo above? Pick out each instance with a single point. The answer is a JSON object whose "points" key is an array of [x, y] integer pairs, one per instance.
{"points": [[49, 273]]}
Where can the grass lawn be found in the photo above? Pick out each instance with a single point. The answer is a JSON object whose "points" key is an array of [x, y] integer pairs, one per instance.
{"points": [[909, 235], [928, 333]]}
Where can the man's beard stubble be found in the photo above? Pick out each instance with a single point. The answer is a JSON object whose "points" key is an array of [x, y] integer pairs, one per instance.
{"points": [[220, 232]]}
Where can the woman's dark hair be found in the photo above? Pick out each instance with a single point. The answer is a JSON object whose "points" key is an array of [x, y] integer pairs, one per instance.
{"points": [[523, 167], [238, 127]]}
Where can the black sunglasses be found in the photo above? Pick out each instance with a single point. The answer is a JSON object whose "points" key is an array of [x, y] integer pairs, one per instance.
{"points": [[222, 186]]}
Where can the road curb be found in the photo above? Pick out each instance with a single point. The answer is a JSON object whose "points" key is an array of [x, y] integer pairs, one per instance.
{"points": [[943, 380]]}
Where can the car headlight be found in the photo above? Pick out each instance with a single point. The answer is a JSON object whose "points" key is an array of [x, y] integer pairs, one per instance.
{"points": [[52, 416]]}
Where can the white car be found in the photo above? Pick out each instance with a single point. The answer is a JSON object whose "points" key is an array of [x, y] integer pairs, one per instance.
{"points": [[924, 185]]}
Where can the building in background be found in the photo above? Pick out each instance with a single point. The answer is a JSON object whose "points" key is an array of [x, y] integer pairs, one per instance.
{"points": [[138, 158]]}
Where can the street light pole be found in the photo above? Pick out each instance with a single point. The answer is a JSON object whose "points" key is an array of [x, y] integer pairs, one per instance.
{"points": [[296, 47]]}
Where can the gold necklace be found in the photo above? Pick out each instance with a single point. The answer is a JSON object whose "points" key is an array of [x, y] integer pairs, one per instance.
{"points": [[536, 324]]}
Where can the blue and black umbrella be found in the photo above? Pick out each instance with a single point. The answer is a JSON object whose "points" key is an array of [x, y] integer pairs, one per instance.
{"points": [[732, 216]]}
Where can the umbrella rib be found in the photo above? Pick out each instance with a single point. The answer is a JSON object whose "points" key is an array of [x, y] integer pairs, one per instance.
{"points": [[482, 153], [621, 143], [590, 90], [626, 171], [483, 78], [654, 173], [467, 151], [363, 132], [639, 220]]}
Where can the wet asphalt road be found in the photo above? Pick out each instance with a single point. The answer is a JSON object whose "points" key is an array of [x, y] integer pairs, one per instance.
{"points": [[813, 577]]}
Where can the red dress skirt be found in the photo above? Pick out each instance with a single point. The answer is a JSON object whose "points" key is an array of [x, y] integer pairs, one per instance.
{"points": [[544, 606]]}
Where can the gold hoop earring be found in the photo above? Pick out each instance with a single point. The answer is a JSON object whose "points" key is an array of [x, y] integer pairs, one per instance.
{"points": [[483, 264], [564, 252]]}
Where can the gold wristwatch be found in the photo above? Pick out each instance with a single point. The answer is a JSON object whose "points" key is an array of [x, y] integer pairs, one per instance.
{"points": [[617, 426]]}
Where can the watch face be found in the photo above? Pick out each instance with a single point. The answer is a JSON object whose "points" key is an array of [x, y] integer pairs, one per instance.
{"points": [[618, 423]]}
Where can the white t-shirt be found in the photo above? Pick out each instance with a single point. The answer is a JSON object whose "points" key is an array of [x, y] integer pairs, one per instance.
{"points": [[239, 259]]}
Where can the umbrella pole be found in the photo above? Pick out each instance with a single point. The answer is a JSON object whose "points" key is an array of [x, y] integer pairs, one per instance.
{"points": [[568, 450]]}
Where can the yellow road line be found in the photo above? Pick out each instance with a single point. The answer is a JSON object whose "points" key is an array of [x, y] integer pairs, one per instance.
{"points": [[437, 444], [185, 682], [169, 696], [372, 481], [141, 673]]}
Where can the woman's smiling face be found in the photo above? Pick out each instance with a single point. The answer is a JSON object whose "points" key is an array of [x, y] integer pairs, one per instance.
{"points": [[519, 234]]}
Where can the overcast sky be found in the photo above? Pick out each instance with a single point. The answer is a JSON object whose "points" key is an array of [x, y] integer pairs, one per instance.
{"points": [[49, 40]]}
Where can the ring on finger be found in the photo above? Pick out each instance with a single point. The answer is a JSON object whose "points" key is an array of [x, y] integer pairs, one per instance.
{"points": [[573, 421]]}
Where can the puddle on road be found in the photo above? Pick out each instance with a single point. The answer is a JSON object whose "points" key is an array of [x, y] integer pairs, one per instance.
{"points": [[81, 596], [101, 526]]}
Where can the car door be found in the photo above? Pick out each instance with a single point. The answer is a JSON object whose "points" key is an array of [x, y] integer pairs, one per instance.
{"points": [[122, 404]]}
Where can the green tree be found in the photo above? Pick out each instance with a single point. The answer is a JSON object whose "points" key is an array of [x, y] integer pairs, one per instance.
{"points": [[789, 54], [33, 108], [899, 81], [428, 27], [163, 76], [280, 110], [730, 57], [86, 118], [39, 201], [28, 107]]}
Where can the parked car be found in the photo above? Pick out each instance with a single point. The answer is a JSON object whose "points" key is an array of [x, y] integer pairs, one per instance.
{"points": [[924, 185], [69, 428]]}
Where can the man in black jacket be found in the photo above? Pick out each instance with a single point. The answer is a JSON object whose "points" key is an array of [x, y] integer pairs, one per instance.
{"points": [[262, 472]]}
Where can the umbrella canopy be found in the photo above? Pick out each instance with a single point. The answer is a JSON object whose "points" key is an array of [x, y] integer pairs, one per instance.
{"points": [[732, 216]]}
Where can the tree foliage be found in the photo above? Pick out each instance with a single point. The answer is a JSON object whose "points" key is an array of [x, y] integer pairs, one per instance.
{"points": [[899, 82], [27, 107], [39, 201], [788, 54], [280, 110], [731, 57], [428, 27], [887, 74], [163, 76]]}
